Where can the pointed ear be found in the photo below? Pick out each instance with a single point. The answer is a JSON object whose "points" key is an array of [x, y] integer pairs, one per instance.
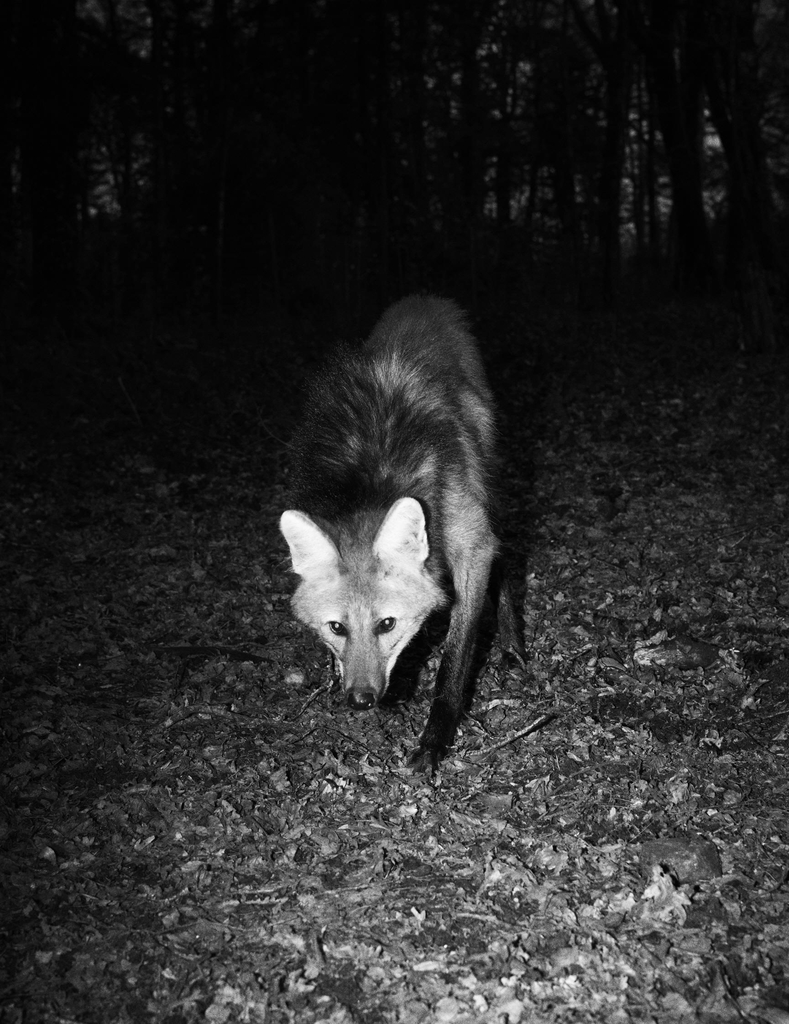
{"points": [[310, 547], [403, 533]]}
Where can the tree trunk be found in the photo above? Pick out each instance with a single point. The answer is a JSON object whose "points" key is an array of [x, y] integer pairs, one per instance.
{"points": [[218, 118], [653, 214], [637, 167], [469, 151], [383, 146], [9, 95], [754, 268], [159, 226], [413, 45], [470, 19], [677, 94], [612, 45], [564, 168], [50, 123]]}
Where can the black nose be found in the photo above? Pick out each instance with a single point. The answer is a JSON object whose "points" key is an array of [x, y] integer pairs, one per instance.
{"points": [[360, 700]]}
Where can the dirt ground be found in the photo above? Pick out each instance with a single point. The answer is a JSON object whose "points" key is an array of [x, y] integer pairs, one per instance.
{"points": [[195, 827]]}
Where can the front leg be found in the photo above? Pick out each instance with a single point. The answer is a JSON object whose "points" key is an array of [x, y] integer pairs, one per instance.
{"points": [[471, 574]]}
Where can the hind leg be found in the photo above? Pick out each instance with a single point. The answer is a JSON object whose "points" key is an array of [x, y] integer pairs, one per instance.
{"points": [[509, 623]]}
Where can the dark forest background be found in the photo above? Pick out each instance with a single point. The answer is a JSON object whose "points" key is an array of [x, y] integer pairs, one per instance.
{"points": [[317, 158]]}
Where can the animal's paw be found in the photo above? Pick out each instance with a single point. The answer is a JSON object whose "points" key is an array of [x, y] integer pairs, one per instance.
{"points": [[513, 659], [423, 761], [436, 739]]}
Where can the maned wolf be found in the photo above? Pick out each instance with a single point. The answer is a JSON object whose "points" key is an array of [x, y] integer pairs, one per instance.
{"points": [[392, 481]]}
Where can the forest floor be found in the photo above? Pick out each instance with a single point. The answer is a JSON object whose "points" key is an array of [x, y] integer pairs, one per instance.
{"points": [[195, 827]]}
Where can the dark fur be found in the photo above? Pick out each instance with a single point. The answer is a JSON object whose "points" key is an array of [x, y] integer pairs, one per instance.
{"points": [[425, 432]]}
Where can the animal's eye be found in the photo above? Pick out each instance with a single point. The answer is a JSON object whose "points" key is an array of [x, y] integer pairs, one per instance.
{"points": [[338, 629], [386, 625]]}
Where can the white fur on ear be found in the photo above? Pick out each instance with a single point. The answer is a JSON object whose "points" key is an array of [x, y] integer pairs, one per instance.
{"points": [[403, 533], [309, 546]]}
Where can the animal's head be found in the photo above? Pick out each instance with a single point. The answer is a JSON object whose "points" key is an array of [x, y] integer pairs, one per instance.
{"points": [[365, 600]]}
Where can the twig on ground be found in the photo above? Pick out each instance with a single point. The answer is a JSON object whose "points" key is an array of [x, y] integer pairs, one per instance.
{"points": [[538, 723], [130, 401]]}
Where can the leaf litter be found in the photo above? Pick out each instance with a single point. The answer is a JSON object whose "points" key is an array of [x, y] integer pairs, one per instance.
{"points": [[195, 828]]}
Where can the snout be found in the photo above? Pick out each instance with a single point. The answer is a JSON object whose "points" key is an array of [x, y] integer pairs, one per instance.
{"points": [[364, 675], [362, 700]]}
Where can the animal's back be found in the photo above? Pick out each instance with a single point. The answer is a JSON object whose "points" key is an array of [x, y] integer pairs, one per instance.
{"points": [[431, 333], [396, 418]]}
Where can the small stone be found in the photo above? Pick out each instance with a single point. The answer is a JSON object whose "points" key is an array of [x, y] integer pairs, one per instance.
{"points": [[683, 652], [690, 860]]}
